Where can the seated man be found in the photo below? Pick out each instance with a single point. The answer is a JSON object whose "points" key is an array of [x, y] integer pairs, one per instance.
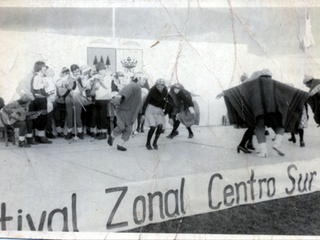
{"points": [[14, 115]]}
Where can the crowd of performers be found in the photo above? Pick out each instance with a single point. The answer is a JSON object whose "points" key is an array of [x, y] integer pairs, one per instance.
{"points": [[260, 102], [98, 103], [102, 105]]}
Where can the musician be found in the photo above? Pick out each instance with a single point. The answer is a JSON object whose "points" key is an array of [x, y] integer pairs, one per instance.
{"points": [[73, 102], [38, 89], [102, 89], [14, 115], [51, 105], [60, 104], [87, 114], [25, 88], [117, 84]]}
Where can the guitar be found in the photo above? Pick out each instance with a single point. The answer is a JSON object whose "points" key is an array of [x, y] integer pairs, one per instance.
{"points": [[19, 115]]}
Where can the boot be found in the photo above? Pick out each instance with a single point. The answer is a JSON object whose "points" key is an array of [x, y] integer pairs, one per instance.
{"points": [[80, 135], [88, 132], [277, 144], [97, 135], [190, 132], [250, 146], [148, 146], [158, 132], [23, 144], [61, 134], [69, 136], [170, 136], [292, 139], [263, 150], [102, 136], [50, 135], [31, 142], [110, 140], [121, 148], [243, 149], [37, 139], [150, 134], [44, 140]]}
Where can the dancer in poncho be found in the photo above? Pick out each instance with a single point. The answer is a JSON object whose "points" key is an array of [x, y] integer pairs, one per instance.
{"points": [[265, 102], [127, 104], [246, 141]]}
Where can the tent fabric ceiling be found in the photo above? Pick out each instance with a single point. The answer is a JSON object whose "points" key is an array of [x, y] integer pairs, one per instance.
{"points": [[277, 28]]}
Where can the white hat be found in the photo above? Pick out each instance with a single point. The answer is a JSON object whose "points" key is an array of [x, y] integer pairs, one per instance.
{"points": [[265, 72], [307, 78]]}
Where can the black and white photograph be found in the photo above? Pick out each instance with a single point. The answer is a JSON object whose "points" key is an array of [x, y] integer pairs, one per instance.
{"points": [[158, 119]]}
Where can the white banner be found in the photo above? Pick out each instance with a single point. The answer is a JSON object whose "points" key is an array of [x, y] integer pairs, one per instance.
{"points": [[136, 204]]}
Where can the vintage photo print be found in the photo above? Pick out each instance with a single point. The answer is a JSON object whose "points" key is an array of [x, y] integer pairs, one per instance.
{"points": [[186, 119]]}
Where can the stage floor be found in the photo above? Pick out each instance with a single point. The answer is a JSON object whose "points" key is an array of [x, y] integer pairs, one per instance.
{"points": [[65, 166]]}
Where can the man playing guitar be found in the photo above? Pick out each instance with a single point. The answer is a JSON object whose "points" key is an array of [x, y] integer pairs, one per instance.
{"points": [[14, 115]]}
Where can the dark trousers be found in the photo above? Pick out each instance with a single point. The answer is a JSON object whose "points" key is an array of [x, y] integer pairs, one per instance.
{"points": [[59, 114], [41, 104], [22, 127], [87, 115], [101, 108], [94, 116], [31, 122]]}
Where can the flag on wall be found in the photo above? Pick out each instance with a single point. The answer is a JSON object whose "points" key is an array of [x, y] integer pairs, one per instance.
{"points": [[307, 40]]}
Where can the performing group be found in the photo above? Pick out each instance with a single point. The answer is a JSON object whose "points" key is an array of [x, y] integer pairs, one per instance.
{"points": [[98, 103], [105, 106]]}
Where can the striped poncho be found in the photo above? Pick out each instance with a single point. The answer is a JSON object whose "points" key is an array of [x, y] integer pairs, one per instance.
{"points": [[261, 96]]}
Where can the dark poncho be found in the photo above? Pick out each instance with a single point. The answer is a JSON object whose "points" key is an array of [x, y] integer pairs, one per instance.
{"points": [[261, 96], [314, 101]]}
